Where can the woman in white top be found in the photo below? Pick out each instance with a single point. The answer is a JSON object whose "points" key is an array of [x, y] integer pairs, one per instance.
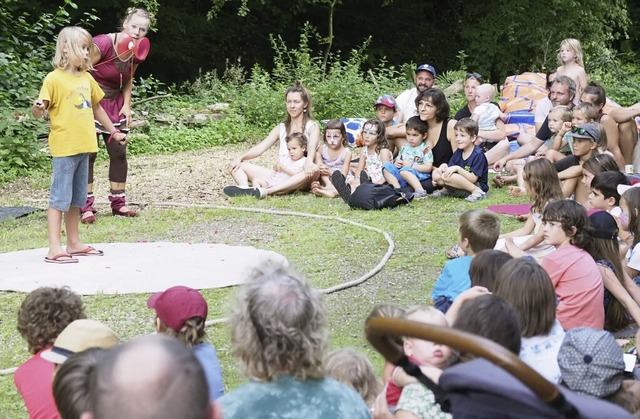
{"points": [[298, 119]]}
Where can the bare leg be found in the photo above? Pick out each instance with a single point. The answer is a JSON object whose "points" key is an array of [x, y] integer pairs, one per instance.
{"points": [[249, 171], [391, 180], [498, 151], [628, 139], [54, 218], [412, 180], [296, 182], [459, 182]]}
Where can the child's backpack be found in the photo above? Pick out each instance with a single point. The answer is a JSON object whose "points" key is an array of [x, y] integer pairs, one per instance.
{"points": [[369, 196]]}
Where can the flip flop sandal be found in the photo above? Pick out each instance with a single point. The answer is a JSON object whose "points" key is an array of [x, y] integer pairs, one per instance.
{"points": [[58, 259], [454, 251], [88, 251]]}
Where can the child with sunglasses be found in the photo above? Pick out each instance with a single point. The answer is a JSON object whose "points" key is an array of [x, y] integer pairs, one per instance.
{"points": [[588, 140]]}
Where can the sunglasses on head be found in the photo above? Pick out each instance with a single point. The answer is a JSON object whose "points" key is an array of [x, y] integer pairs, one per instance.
{"points": [[476, 76], [582, 131]]}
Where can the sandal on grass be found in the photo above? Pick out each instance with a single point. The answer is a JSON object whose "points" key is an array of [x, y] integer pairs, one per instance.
{"points": [[454, 251]]}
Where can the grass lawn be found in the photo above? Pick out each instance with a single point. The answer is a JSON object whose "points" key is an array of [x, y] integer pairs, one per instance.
{"points": [[327, 251]]}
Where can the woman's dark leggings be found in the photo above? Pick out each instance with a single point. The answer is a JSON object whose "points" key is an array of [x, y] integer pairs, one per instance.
{"points": [[117, 160]]}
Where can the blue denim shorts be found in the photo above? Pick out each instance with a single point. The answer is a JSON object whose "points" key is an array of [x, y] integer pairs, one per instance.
{"points": [[391, 168], [69, 182]]}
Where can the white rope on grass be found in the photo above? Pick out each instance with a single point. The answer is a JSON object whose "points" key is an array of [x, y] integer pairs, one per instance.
{"points": [[330, 290]]}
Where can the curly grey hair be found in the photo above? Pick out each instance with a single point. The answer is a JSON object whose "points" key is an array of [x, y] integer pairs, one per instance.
{"points": [[278, 327]]}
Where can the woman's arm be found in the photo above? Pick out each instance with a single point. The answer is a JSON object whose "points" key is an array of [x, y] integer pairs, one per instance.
{"points": [[126, 93], [571, 172], [256, 150], [613, 140], [451, 135], [495, 135], [312, 146]]}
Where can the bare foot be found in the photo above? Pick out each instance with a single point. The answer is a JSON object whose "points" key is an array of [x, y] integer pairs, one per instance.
{"points": [[498, 181], [517, 191], [315, 185], [329, 193]]}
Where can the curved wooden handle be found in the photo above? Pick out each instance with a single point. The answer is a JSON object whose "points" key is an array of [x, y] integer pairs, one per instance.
{"points": [[378, 330]]}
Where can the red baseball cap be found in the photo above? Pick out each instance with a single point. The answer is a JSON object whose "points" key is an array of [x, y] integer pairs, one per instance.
{"points": [[178, 304]]}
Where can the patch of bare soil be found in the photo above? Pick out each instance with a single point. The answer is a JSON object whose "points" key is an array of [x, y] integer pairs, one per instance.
{"points": [[194, 177]]}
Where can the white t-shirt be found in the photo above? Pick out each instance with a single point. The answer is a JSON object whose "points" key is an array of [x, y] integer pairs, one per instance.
{"points": [[487, 115], [406, 102]]}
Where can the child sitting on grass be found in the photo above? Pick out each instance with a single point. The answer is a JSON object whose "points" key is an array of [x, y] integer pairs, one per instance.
{"points": [[604, 192], [573, 272], [414, 161], [468, 170], [477, 230]]}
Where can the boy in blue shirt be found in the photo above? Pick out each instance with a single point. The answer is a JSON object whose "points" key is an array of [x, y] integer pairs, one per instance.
{"points": [[477, 230], [467, 173], [414, 161]]}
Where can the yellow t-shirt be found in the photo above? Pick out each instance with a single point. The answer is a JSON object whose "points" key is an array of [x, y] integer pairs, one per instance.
{"points": [[71, 100]]}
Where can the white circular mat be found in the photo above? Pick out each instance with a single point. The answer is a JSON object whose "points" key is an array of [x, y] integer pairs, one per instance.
{"points": [[128, 268]]}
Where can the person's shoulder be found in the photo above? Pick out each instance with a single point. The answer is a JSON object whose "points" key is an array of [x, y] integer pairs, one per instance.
{"points": [[459, 263], [345, 398]]}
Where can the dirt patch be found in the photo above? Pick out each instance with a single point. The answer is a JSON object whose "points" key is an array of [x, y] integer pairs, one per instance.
{"points": [[195, 177]]}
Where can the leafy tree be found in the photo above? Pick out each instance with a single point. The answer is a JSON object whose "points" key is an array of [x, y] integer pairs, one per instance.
{"points": [[504, 37]]}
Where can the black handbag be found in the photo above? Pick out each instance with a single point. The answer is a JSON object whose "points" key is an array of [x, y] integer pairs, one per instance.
{"points": [[369, 196]]}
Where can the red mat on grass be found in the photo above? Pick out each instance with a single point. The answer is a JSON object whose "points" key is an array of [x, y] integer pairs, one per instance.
{"points": [[511, 209]]}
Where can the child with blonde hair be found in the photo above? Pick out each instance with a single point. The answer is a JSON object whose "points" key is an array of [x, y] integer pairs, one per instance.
{"points": [[333, 155], [415, 398], [72, 98], [572, 65], [351, 368], [486, 113], [562, 141]]}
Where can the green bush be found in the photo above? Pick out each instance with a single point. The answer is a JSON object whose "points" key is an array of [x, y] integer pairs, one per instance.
{"points": [[20, 149]]}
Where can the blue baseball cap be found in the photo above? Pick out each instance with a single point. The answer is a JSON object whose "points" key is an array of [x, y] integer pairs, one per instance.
{"points": [[426, 67]]}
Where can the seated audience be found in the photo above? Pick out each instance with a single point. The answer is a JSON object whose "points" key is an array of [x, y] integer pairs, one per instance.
{"points": [[149, 377], [44, 313], [525, 285], [279, 335], [477, 230], [181, 312]]}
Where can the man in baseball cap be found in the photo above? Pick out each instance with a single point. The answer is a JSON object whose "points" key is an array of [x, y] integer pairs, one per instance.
{"points": [[425, 76]]}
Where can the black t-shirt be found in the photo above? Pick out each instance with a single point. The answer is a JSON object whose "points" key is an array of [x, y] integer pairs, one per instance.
{"points": [[463, 113], [544, 133], [567, 162]]}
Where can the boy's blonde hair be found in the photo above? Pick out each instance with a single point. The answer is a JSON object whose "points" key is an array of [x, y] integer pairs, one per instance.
{"points": [[481, 227], [68, 48], [487, 88], [575, 46], [564, 112], [355, 370], [590, 111], [436, 317]]}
